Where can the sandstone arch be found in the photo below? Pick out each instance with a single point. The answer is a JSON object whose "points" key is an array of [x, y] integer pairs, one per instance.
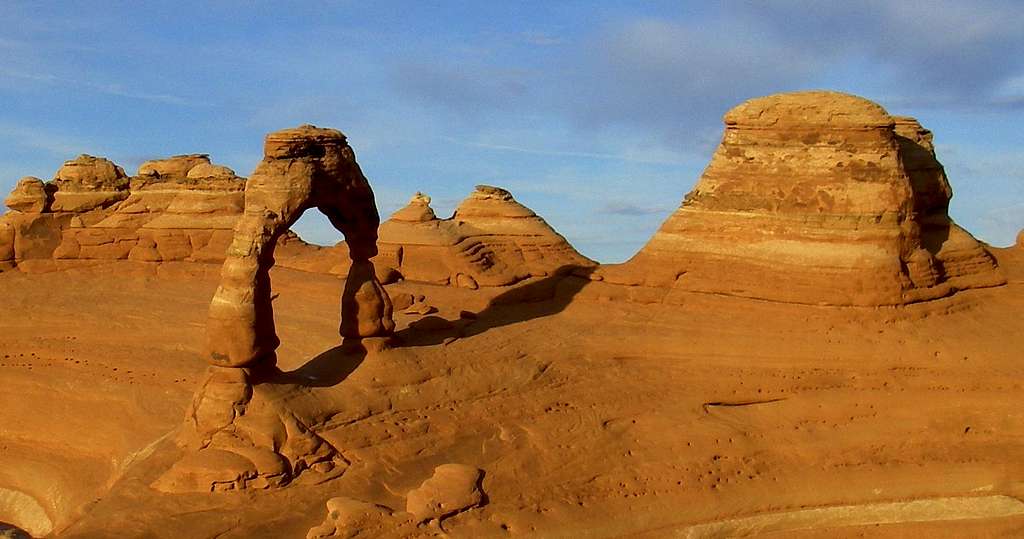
{"points": [[302, 168], [242, 435]]}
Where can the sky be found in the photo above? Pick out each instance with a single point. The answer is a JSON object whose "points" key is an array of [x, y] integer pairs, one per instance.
{"points": [[599, 116]]}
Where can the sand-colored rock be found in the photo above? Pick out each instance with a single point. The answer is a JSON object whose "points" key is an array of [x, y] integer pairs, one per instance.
{"points": [[815, 197], [347, 517], [89, 172], [302, 168], [6, 244], [492, 240], [101, 215], [177, 166], [86, 183], [208, 170], [241, 421], [28, 196], [417, 211], [453, 488]]}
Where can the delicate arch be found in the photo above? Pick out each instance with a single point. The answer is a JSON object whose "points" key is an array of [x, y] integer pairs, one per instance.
{"points": [[302, 168]]}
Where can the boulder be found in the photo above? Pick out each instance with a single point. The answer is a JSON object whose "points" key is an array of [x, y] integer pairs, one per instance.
{"points": [[87, 183], [417, 211], [177, 166], [29, 196], [208, 170]]}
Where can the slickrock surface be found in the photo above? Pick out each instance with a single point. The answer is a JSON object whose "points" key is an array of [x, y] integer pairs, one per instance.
{"points": [[591, 419], [820, 198], [177, 166]]}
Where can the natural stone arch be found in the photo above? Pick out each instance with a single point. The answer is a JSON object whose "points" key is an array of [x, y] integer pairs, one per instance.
{"points": [[302, 168], [239, 434]]}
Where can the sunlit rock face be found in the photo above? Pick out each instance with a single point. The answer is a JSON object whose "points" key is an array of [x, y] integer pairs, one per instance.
{"points": [[492, 240], [816, 197]]}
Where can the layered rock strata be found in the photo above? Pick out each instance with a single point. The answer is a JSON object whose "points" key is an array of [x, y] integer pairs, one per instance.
{"points": [[820, 198], [184, 208], [492, 240], [92, 211]]}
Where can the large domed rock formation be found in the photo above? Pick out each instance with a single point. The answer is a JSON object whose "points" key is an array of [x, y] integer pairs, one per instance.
{"points": [[815, 197]]}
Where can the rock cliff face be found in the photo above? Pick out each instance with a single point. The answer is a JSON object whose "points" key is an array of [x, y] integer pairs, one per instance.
{"points": [[815, 197], [93, 211]]}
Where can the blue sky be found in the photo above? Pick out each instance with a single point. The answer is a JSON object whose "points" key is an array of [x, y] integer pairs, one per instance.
{"points": [[598, 115]]}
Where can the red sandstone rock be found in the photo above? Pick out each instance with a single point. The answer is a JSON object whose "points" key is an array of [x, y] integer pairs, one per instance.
{"points": [[815, 197], [177, 166], [492, 240], [28, 196]]}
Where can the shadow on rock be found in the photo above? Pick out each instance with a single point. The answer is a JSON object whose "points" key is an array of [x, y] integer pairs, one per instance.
{"points": [[536, 299], [329, 368]]}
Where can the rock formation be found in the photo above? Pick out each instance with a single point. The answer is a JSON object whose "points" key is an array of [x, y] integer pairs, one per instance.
{"points": [[92, 211], [492, 240], [184, 208], [302, 168], [815, 197], [238, 437], [347, 517], [29, 196], [452, 488]]}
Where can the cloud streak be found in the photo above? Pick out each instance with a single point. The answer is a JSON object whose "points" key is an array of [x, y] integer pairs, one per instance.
{"points": [[113, 89]]}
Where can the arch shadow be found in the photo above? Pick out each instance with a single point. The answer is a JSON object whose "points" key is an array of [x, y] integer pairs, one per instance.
{"points": [[536, 299]]}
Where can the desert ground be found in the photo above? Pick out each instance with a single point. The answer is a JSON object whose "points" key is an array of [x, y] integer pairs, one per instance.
{"points": [[590, 418]]}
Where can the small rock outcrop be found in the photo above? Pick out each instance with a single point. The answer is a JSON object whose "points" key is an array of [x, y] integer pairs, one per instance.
{"points": [[29, 196], [88, 183], [178, 166], [347, 517], [452, 489], [820, 198]]}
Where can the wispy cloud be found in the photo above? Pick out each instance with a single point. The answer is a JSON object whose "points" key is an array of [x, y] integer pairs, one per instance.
{"points": [[563, 153], [41, 139], [542, 39], [114, 89], [631, 209]]}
